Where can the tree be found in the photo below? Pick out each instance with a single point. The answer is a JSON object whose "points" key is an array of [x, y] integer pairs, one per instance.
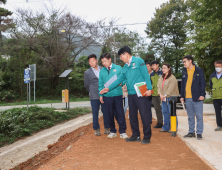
{"points": [[54, 50], [168, 32], [122, 37], [205, 42], [5, 22], [148, 56]]}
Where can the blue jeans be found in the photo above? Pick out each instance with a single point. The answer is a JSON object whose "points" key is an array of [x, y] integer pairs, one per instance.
{"points": [[166, 114], [95, 111], [126, 105], [195, 109]]}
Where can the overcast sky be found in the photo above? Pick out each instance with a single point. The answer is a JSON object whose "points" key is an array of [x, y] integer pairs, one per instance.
{"points": [[128, 12]]}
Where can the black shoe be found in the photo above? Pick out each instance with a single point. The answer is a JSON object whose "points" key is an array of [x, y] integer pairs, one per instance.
{"points": [[145, 141], [158, 125], [199, 137], [133, 139], [190, 135]]}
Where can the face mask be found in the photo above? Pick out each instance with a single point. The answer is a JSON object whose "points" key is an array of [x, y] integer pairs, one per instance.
{"points": [[218, 69]]}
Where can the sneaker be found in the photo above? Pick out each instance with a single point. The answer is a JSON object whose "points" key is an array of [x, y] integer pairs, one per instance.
{"points": [[169, 131], [158, 125], [190, 135], [145, 141], [199, 137], [123, 135], [162, 130], [106, 131], [111, 135], [218, 128], [133, 139], [97, 132]]}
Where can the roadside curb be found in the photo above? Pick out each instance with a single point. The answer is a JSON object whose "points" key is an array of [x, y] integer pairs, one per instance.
{"points": [[194, 150]]}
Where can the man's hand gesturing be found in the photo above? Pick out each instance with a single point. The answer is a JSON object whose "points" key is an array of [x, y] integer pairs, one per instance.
{"points": [[105, 90]]}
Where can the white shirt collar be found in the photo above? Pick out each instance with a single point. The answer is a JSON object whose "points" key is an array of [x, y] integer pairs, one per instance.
{"points": [[110, 66], [95, 69], [96, 72], [130, 60]]}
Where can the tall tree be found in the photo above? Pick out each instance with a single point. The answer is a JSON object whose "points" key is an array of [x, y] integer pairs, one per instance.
{"points": [[5, 22], [205, 29], [167, 31], [122, 37], [39, 34]]}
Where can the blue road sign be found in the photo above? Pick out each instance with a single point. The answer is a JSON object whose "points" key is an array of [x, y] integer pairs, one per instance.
{"points": [[27, 75]]}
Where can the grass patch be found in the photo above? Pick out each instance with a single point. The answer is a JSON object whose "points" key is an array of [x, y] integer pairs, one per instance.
{"points": [[208, 101], [43, 101], [18, 122]]}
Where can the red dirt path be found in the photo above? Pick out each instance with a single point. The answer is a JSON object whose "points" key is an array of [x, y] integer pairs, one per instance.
{"points": [[87, 151]]}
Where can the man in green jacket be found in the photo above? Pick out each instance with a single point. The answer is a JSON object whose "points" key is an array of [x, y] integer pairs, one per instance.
{"points": [[155, 75], [113, 99], [216, 85], [135, 71]]}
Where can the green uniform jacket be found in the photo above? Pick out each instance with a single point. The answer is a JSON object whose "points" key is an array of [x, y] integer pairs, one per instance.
{"points": [[105, 75], [135, 73], [216, 85], [154, 78]]}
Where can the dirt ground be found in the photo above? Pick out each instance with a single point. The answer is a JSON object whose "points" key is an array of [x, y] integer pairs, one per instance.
{"points": [[81, 149]]}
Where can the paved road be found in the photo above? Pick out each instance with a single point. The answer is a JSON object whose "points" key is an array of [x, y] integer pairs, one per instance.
{"points": [[55, 105]]}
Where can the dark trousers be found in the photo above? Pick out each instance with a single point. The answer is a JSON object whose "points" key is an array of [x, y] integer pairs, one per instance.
{"points": [[140, 103], [150, 108], [115, 114], [115, 103], [156, 103], [95, 111], [217, 106]]}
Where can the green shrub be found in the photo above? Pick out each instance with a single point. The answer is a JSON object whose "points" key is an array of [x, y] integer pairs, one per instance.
{"points": [[19, 122], [210, 100]]}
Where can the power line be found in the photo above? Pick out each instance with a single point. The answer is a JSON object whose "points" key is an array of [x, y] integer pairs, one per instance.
{"points": [[130, 24]]}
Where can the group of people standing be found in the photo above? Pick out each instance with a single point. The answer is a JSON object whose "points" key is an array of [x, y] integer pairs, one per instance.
{"points": [[160, 86]]}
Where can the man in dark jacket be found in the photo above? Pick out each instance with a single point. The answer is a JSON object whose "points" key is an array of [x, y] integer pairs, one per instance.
{"points": [[193, 91], [91, 79], [216, 85]]}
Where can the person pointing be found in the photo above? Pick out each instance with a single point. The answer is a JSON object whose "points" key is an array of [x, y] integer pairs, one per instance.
{"points": [[135, 71]]}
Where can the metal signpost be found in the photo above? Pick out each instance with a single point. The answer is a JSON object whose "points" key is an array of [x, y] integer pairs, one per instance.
{"points": [[33, 78], [65, 92], [27, 81]]}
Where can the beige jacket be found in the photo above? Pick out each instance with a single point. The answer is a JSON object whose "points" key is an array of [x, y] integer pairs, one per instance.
{"points": [[170, 87], [125, 93]]}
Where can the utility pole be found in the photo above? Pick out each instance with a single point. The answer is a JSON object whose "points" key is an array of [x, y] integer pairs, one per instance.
{"points": [[114, 45]]}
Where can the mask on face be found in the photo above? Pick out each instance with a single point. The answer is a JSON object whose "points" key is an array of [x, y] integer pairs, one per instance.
{"points": [[218, 69]]}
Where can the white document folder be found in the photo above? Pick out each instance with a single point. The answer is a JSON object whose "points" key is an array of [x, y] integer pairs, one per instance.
{"points": [[110, 81]]}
